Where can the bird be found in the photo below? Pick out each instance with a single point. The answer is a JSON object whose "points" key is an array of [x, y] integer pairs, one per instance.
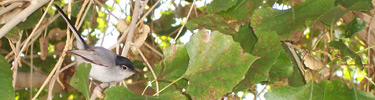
{"points": [[106, 66]]}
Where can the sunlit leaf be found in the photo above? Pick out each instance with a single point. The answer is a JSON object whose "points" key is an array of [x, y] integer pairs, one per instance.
{"points": [[123, 93], [173, 66], [216, 65], [352, 28], [334, 88], [80, 80], [345, 51], [284, 22], [311, 91], [212, 22]]}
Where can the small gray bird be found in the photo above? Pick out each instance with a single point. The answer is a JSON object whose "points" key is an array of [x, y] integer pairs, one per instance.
{"points": [[106, 66]]}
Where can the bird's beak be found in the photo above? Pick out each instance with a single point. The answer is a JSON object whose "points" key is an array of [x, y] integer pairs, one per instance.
{"points": [[136, 72]]}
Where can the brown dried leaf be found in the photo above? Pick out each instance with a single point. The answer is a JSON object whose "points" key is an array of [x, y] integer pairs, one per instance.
{"points": [[122, 25], [141, 38], [43, 41], [59, 47], [56, 34], [312, 62], [308, 76]]}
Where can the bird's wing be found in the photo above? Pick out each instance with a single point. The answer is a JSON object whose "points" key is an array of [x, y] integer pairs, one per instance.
{"points": [[88, 55]]}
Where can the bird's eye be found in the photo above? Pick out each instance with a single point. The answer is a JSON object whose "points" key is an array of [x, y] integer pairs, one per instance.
{"points": [[124, 67]]}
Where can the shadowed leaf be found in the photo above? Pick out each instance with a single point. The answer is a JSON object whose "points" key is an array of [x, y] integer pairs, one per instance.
{"points": [[6, 88], [219, 5]]}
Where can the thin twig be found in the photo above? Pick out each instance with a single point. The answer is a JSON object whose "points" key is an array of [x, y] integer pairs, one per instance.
{"points": [[183, 25], [34, 5], [144, 15], [60, 60], [144, 90], [31, 69], [106, 27], [100, 4], [369, 51], [174, 81], [132, 27], [10, 7], [152, 71], [153, 49]]}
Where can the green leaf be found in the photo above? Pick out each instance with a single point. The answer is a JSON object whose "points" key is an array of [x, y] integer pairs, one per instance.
{"points": [[242, 10], [6, 88], [80, 80], [326, 90], [76, 7], [345, 51], [355, 5], [217, 64], [212, 22], [13, 33], [284, 22], [31, 21], [246, 37], [311, 91], [336, 87], [352, 27], [123, 93], [332, 16], [259, 70], [282, 67], [173, 66], [219, 5]]}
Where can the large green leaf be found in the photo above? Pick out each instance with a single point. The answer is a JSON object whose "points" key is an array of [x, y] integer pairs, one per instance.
{"points": [[311, 91], [212, 22], [219, 5], [284, 22], [123, 93], [172, 67], [80, 80], [217, 64], [336, 87], [345, 51], [6, 88], [326, 90]]}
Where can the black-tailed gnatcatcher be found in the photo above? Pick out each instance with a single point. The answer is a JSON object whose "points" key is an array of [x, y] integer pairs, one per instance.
{"points": [[106, 66]]}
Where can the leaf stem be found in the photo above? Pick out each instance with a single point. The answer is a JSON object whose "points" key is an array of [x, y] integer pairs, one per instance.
{"points": [[157, 93]]}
